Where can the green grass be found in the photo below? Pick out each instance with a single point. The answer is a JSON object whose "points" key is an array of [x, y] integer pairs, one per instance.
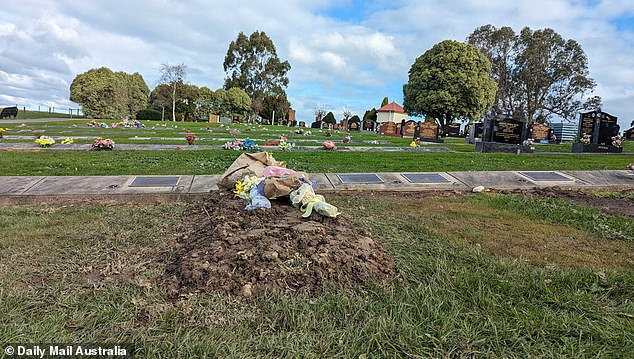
{"points": [[67, 163], [175, 130], [450, 299]]}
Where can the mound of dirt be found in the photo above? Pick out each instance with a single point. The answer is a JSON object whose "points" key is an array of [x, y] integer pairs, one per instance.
{"points": [[227, 249]]}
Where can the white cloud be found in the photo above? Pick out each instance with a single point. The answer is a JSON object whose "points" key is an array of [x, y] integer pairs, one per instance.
{"points": [[335, 62]]}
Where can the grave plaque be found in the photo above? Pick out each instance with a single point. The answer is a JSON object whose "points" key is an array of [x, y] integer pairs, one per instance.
{"points": [[389, 129], [409, 129], [360, 178], [546, 176], [540, 132], [425, 178], [149, 181]]}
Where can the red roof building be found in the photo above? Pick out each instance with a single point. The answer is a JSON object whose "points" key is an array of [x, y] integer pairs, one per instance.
{"points": [[392, 112]]}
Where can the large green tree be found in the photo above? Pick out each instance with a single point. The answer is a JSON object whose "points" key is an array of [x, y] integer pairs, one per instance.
{"points": [[233, 102], [448, 82], [103, 93], [252, 64], [539, 74]]}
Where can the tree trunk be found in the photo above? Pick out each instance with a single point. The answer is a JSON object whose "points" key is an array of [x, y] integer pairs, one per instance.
{"points": [[162, 113], [174, 103]]}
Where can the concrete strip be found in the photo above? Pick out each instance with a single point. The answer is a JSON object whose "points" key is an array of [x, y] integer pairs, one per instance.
{"points": [[603, 178], [323, 183], [492, 179], [204, 183], [16, 185], [571, 182], [393, 182], [63, 185]]}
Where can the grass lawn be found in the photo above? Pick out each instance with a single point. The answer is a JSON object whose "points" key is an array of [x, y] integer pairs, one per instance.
{"points": [[164, 162], [480, 275]]}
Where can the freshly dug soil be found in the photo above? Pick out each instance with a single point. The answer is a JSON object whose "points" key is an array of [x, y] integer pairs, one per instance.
{"points": [[224, 248]]}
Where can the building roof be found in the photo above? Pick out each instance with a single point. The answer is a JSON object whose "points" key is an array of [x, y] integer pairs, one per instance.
{"points": [[393, 107]]}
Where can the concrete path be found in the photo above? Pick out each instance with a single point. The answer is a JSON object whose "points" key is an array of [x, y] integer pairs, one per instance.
{"points": [[33, 189]]}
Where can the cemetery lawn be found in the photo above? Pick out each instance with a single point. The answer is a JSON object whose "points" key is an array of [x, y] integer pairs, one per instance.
{"points": [[185, 162], [484, 275]]}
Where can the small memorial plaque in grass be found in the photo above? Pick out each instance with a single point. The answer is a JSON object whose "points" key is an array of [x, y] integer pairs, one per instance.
{"points": [[360, 178], [546, 176], [425, 178], [147, 181]]}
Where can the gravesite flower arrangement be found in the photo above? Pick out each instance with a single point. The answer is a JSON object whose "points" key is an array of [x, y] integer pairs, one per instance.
{"points": [[235, 145], [67, 141], [347, 139], [191, 139], [45, 141], [585, 139], [329, 145], [286, 146], [249, 180], [2, 130], [101, 144], [617, 141]]}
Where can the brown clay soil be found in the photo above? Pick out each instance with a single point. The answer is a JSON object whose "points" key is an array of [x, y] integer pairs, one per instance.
{"points": [[226, 249]]}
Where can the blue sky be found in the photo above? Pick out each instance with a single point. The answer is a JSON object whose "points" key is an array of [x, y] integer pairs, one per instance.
{"points": [[344, 54]]}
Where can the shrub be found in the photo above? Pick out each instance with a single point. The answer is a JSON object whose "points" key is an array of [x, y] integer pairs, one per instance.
{"points": [[148, 114]]}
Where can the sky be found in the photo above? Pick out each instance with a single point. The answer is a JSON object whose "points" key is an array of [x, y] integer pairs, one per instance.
{"points": [[344, 54]]}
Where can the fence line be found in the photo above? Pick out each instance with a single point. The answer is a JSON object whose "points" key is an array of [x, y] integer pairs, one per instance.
{"points": [[49, 109]]}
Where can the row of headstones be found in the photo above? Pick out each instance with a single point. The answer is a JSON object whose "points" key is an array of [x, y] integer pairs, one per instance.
{"points": [[500, 134], [426, 131]]}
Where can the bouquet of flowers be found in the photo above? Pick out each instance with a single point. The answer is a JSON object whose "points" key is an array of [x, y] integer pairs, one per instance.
{"points": [[249, 144], [45, 141], [329, 145], [101, 144], [553, 137], [585, 139], [67, 141], [235, 145], [285, 146], [617, 141], [191, 139], [347, 139], [2, 130]]}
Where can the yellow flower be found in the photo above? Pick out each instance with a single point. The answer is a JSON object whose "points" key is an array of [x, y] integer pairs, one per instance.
{"points": [[239, 187]]}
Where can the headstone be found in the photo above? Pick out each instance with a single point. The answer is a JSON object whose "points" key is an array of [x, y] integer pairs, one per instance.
{"points": [[504, 134], [453, 130], [629, 134], [369, 125], [596, 129], [354, 125], [428, 132], [225, 120], [409, 129], [335, 126], [9, 112], [389, 129], [540, 132], [316, 124], [214, 118], [474, 132], [302, 124], [344, 124]]}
